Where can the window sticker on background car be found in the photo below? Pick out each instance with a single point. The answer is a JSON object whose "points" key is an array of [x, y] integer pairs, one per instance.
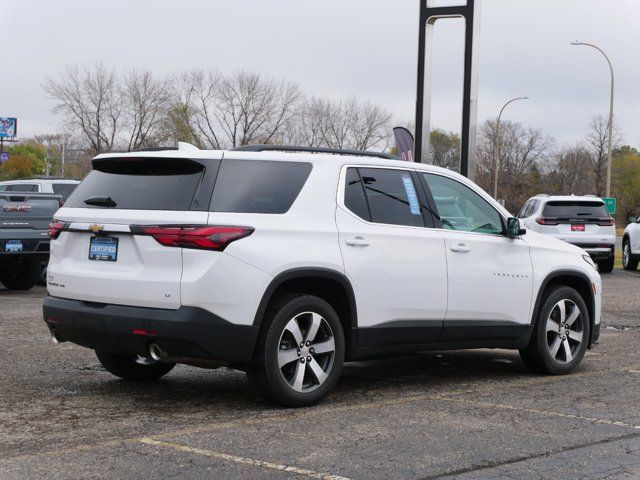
{"points": [[412, 196]]}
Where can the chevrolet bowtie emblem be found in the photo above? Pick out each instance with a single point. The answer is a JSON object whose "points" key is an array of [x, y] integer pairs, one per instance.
{"points": [[96, 228]]}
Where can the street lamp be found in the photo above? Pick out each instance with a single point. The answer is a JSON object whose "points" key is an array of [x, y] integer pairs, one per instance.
{"points": [[495, 184], [610, 112]]}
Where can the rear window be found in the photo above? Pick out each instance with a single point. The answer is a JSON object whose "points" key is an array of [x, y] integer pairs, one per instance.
{"points": [[252, 186], [22, 187], [64, 189], [142, 184], [575, 209]]}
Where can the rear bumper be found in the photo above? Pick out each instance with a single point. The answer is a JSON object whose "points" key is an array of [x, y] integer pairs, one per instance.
{"points": [[597, 252], [186, 332]]}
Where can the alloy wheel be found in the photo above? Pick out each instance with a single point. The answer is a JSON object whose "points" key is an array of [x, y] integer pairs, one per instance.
{"points": [[626, 253], [565, 331], [306, 352]]}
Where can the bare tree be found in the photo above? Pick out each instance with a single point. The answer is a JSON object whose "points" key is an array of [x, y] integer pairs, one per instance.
{"points": [[180, 122], [569, 172], [445, 149], [341, 124], [523, 152], [91, 103], [598, 144], [145, 99], [243, 108]]}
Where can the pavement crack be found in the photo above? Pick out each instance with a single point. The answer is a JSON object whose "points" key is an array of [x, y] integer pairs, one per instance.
{"points": [[524, 458]]}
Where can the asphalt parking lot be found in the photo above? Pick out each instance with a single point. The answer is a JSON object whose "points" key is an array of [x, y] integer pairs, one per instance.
{"points": [[473, 414]]}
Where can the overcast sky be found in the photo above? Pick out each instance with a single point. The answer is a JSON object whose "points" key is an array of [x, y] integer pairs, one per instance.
{"points": [[341, 48]]}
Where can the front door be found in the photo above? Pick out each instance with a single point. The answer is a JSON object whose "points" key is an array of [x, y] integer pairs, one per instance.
{"points": [[489, 275]]}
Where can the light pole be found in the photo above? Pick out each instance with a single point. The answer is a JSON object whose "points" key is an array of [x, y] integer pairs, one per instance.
{"points": [[497, 153], [610, 112]]}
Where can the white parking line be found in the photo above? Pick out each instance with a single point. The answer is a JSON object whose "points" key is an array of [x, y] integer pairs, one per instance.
{"points": [[547, 413], [244, 460]]}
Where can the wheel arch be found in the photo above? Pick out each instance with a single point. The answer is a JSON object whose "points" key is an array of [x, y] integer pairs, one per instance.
{"points": [[330, 285], [576, 280]]}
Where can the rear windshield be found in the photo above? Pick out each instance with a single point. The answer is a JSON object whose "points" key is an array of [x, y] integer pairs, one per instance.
{"points": [[64, 189], [140, 184], [575, 209], [252, 186]]}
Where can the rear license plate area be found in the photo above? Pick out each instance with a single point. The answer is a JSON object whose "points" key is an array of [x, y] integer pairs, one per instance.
{"points": [[13, 246], [577, 227], [103, 249]]}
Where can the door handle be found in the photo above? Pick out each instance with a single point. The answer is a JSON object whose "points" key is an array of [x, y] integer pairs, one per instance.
{"points": [[460, 248], [356, 242]]}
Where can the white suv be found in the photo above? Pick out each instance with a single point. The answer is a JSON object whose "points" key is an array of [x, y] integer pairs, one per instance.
{"points": [[580, 220], [631, 246], [287, 264]]}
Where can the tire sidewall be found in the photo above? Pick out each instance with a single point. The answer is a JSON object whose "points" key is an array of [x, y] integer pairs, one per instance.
{"points": [[550, 300], [282, 391]]}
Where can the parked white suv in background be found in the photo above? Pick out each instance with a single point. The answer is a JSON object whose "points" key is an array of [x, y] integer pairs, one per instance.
{"points": [[631, 246], [580, 220], [286, 264], [59, 186]]}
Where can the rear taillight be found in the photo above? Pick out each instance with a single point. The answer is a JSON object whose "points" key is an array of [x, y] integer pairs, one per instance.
{"points": [[56, 228], [610, 222], [199, 237], [546, 221]]}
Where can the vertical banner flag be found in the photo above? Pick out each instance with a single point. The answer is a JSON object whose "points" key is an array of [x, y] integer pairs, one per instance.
{"points": [[404, 143]]}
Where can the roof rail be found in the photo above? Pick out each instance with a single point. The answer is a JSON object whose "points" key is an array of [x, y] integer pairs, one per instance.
{"points": [[154, 149], [334, 151]]}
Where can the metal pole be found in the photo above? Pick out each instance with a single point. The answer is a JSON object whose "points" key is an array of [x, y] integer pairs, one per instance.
{"points": [[610, 127], [497, 145], [63, 152]]}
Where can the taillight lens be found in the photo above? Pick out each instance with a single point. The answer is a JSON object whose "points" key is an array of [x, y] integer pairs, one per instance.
{"points": [[200, 237], [546, 221], [610, 222], [56, 228]]}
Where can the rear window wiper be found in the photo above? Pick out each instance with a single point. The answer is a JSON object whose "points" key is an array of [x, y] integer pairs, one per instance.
{"points": [[101, 201]]}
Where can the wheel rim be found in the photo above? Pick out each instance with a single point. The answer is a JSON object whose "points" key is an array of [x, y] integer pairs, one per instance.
{"points": [[565, 331], [625, 254], [306, 352]]}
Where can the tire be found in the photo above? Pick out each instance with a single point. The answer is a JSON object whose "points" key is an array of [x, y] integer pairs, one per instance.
{"points": [[287, 374], [547, 349], [24, 277], [629, 261], [606, 266], [138, 369]]}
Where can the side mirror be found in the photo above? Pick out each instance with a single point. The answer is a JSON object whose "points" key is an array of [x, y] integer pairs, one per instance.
{"points": [[513, 228]]}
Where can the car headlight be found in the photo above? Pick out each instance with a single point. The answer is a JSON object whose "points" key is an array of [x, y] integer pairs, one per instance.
{"points": [[587, 259]]}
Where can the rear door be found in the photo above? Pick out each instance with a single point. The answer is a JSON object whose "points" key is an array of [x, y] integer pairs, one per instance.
{"points": [[102, 254], [395, 262]]}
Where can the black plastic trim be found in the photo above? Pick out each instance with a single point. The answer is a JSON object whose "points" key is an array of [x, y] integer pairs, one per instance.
{"points": [[591, 304], [323, 273], [186, 332]]}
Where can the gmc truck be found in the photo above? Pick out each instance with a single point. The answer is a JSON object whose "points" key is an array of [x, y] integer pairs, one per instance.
{"points": [[24, 236]]}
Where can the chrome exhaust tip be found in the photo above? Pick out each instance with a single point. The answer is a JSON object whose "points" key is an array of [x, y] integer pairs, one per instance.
{"points": [[54, 339], [157, 353]]}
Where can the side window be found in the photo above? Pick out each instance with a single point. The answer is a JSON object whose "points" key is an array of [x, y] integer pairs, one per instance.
{"points": [[525, 208], [256, 186], [460, 208], [354, 197], [392, 196], [22, 187]]}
